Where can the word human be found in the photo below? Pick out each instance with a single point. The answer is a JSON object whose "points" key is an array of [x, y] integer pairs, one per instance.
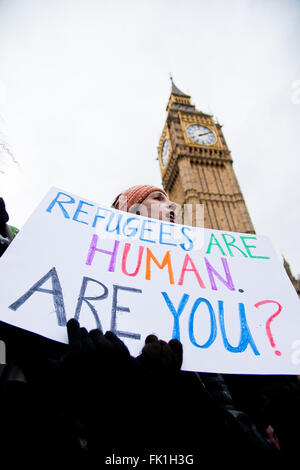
{"points": [[144, 253]]}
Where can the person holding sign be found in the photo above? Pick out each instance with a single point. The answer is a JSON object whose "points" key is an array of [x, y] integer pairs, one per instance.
{"points": [[99, 393], [150, 201], [91, 369]]}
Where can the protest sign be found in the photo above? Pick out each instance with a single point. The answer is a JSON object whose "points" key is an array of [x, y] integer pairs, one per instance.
{"points": [[224, 295]]}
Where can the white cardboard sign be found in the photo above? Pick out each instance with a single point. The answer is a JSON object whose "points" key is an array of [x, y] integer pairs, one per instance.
{"points": [[224, 295]]}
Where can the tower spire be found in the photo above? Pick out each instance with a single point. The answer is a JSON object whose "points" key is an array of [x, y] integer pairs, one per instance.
{"points": [[177, 97], [175, 90]]}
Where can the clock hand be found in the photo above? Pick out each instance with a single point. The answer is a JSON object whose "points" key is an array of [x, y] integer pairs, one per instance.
{"points": [[200, 135]]}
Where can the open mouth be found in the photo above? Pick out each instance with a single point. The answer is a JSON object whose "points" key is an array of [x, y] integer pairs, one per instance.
{"points": [[172, 217]]}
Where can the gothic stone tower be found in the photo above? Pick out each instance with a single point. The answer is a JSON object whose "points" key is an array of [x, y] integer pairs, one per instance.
{"points": [[196, 166]]}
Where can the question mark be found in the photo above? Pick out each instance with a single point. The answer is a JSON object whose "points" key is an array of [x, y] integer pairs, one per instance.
{"points": [[268, 324]]}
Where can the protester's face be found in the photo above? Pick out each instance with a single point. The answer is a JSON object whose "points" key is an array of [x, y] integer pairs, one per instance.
{"points": [[158, 206]]}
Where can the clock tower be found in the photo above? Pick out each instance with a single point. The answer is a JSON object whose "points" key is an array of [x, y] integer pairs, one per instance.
{"points": [[196, 166]]}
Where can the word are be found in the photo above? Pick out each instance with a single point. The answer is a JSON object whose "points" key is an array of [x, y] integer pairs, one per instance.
{"points": [[59, 304], [188, 265]]}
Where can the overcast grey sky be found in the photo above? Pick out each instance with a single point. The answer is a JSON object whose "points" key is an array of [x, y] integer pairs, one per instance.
{"points": [[84, 86]]}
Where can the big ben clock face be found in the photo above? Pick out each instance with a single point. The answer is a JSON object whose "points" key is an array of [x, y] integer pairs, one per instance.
{"points": [[165, 153], [200, 134]]}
